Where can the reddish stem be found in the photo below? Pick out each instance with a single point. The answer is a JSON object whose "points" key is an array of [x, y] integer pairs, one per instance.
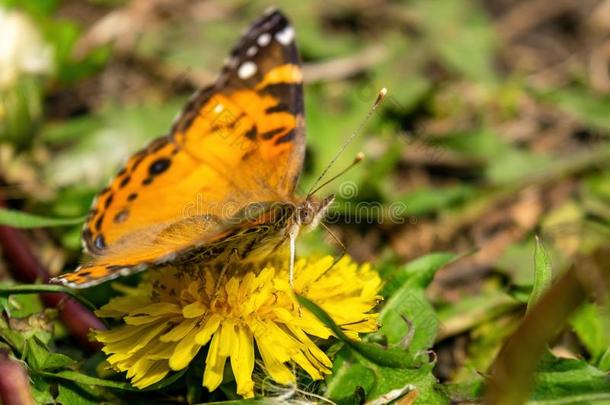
{"points": [[14, 387], [26, 268]]}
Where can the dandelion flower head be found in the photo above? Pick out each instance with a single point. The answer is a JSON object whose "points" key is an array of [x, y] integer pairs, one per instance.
{"points": [[175, 313]]}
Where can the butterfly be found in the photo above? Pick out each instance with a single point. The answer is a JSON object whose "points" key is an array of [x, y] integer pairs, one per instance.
{"points": [[220, 186]]}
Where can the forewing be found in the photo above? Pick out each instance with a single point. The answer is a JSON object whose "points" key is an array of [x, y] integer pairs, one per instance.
{"points": [[238, 141]]}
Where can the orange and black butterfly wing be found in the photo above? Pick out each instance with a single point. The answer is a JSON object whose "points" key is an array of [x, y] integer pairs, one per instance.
{"points": [[238, 141]]}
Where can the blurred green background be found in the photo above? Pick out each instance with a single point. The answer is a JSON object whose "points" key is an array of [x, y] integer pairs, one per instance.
{"points": [[496, 129]]}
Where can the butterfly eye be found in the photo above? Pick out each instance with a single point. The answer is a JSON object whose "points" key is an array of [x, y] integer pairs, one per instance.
{"points": [[305, 215]]}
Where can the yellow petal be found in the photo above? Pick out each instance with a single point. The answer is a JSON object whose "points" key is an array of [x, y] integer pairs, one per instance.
{"points": [[118, 334], [155, 309], [228, 338], [214, 365], [274, 354], [210, 327], [184, 352], [145, 335], [152, 375], [180, 331], [242, 363], [194, 310]]}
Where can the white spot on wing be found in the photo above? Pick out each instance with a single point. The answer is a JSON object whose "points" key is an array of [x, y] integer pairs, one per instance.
{"points": [[285, 36], [251, 51], [218, 109], [264, 39], [246, 70]]}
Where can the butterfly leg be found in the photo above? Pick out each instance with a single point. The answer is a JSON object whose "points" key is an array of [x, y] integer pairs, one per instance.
{"points": [[292, 237], [234, 253], [292, 256]]}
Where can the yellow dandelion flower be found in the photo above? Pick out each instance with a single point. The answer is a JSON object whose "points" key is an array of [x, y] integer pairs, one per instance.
{"points": [[174, 313]]}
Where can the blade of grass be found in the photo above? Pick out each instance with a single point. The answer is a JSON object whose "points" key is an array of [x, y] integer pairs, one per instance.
{"points": [[18, 219], [543, 274], [6, 290], [75, 376]]}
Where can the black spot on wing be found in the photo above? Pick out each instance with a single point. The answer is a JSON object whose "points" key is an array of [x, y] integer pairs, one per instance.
{"points": [[270, 134], [99, 242], [289, 97], [251, 133], [124, 182], [121, 216], [108, 201], [247, 155], [159, 166], [279, 107], [98, 222], [132, 196], [286, 138], [282, 90]]}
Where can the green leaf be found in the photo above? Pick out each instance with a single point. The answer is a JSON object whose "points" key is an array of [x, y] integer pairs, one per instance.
{"points": [[417, 273], [81, 378], [76, 394], [592, 327], [409, 321], [390, 357], [18, 219], [39, 358], [352, 372], [431, 199], [426, 385], [567, 381], [462, 35], [23, 305], [347, 376], [407, 318], [515, 165], [583, 104], [543, 275], [15, 339], [482, 144], [41, 390], [604, 361], [465, 392]]}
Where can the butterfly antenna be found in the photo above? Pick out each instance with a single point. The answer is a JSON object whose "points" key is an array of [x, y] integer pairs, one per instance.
{"points": [[359, 157], [349, 140]]}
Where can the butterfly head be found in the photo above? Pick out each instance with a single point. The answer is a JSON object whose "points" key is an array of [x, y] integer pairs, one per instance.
{"points": [[311, 211]]}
